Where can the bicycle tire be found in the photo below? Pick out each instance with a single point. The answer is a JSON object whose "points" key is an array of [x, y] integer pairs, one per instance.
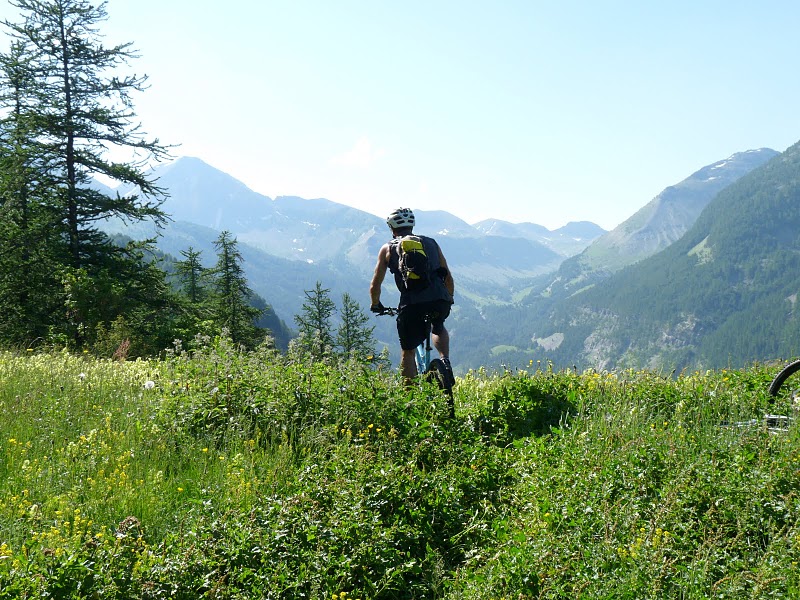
{"points": [[780, 378], [438, 373]]}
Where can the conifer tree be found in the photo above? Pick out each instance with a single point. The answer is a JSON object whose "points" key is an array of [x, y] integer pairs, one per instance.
{"points": [[191, 273], [314, 321], [81, 108], [353, 336], [64, 106], [233, 309], [29, 240]]}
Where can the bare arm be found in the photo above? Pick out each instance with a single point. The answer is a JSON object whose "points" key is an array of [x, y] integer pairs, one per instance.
{"points": [[448, 279], [379, 275]]}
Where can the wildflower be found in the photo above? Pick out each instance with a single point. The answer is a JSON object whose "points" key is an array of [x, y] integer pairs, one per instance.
{"points": [[81, 376], [205, 450], [180, 489], [149, 385]]}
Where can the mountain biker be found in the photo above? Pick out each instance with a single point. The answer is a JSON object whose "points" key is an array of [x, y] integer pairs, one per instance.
{"points": [[435, 299]]}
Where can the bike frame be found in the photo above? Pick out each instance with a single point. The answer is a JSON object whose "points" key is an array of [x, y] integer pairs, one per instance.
{"points": [[422, 356], [423, 353]]}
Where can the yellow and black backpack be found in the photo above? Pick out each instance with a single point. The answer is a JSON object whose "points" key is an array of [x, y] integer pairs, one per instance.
{"points": [[413, 263]]}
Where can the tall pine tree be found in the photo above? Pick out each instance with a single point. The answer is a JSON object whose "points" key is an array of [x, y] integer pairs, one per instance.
{"points": [[82, 109], [233, 308], [354, 336], [192, 275], [29, 234], [314, 321], [65, 105]]}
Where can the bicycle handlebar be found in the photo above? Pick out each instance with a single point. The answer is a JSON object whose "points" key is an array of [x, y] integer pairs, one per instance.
{"points": [[428, 317]]}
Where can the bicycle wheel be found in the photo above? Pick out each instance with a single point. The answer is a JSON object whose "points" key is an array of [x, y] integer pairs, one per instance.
{"points": [[438, 373], [780, 378]]}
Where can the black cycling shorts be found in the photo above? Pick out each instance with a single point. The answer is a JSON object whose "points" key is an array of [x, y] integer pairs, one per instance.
{"points": [[411, 321]]}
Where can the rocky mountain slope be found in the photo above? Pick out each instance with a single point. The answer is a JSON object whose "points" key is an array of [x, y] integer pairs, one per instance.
{"points": [[659, 223], [724, 294]]}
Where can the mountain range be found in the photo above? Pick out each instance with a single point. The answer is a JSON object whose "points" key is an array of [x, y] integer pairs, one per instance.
{"points": [[289, 243], [523, 292], [722, 294], [659, 223]]}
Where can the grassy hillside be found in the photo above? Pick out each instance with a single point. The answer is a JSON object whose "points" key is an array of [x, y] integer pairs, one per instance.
{"points": [[217, 474]]}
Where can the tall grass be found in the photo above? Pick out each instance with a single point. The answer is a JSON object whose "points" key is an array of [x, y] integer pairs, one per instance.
{"points": [[223, 474], [657, 489]]}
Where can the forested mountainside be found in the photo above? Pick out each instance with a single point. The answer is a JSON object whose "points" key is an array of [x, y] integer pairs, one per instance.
{"points": [[724, 294], [659, 223]]}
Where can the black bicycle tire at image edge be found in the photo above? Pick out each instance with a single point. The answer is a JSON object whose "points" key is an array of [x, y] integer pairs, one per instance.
{"points": [[780, 378]]}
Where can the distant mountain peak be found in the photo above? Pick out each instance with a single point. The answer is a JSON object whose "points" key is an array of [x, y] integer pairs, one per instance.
{"points": [[191, 160], [566, 241], [670, 214], [581, 230], [195, 171], [734, 166]]}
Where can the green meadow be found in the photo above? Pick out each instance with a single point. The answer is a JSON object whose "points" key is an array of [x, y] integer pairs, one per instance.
{"points": [[219, 473]]}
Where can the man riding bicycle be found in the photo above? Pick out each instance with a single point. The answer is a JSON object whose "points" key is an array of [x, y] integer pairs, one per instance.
{"points": [[432, 299]]}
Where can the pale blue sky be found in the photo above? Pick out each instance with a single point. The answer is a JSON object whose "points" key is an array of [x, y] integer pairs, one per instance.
{"points": [[546, 112]]}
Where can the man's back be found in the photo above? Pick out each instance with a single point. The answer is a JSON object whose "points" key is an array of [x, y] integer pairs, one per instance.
{"points": [[435, 288]]}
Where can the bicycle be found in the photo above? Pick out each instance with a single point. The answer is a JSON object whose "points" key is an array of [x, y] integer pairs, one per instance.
{"points": [[434, 371], [782, 376], [784, 421]]}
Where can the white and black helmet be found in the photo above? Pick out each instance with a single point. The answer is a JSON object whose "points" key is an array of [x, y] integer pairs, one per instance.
{"points": [[400, 218]]}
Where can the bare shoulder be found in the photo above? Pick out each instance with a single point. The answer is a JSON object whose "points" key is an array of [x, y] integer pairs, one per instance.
{"points": [[383, 254]]}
